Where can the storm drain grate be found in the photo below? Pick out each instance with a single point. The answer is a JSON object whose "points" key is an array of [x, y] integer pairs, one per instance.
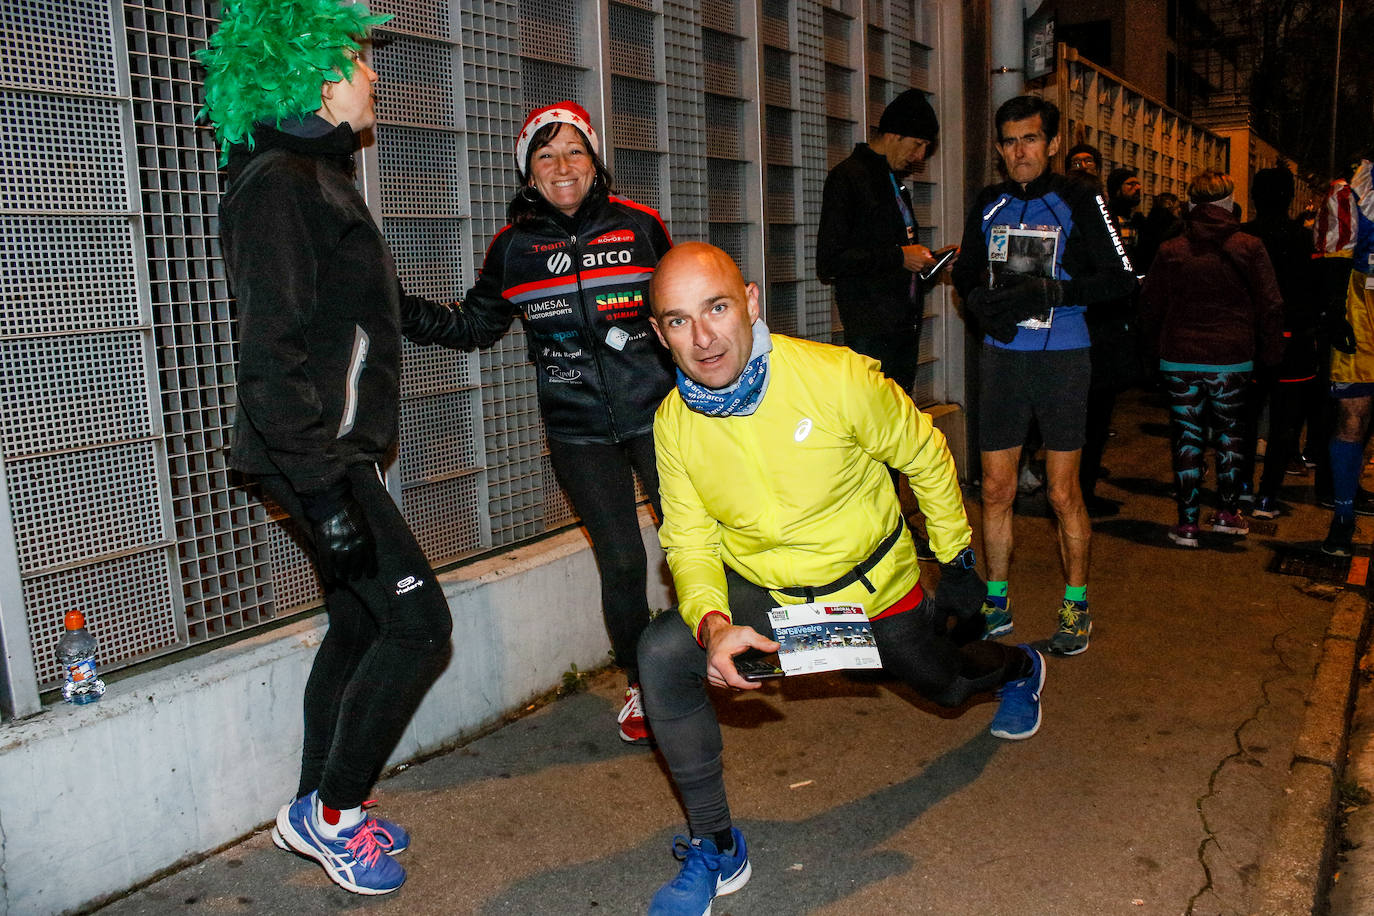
{"points": [[1311, 563]]}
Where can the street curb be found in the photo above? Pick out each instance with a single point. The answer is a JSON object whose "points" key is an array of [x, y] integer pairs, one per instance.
{"points": [[1295, 865]]}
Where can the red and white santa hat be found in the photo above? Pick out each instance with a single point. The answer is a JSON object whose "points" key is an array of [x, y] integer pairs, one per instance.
{"points": [[564, 112]]}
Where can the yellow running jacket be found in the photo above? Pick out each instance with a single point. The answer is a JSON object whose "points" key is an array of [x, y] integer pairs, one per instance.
{"points": [[798, 493]]}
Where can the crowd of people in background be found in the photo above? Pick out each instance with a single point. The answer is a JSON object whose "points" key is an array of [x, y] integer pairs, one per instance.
{"points": [[1256, 333]]}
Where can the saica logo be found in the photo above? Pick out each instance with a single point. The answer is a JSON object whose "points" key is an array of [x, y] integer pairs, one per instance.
{"points": [[559, 262]]}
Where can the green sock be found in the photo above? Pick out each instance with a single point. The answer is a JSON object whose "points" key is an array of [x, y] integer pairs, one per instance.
{"points": [[997, 589], [1076, 593]]}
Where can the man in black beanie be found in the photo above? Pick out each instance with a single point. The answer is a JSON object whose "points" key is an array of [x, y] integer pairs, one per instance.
{"points": [[867, 244]]}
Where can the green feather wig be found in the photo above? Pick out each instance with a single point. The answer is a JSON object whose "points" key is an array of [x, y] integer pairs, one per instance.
{"points": [[268, 59]]}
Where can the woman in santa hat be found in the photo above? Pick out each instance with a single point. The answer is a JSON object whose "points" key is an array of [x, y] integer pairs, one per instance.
{"points": [[574, 264]]}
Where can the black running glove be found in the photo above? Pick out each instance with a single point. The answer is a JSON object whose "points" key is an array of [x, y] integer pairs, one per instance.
{"points": [[344, 546], [994, 310], [1341, 333], [961, 590]]}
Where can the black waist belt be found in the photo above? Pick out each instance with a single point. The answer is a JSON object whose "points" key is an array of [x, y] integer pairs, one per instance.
{"points": [[857, 574]]}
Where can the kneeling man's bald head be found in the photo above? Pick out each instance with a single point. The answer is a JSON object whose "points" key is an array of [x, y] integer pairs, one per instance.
{"points": [[703, 312]]}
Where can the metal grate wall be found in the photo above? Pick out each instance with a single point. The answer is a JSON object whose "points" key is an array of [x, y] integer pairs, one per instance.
{"points": [[118, 330], [1131, 128]]}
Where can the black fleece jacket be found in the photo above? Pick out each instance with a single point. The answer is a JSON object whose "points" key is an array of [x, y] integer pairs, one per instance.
{"points": [[859, 246], [318, 310]]}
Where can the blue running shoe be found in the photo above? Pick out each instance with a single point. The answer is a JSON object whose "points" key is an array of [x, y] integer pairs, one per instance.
{"points": [[391, 836], [1018, 715], [996, 617], [705, 875], [355, 861]]}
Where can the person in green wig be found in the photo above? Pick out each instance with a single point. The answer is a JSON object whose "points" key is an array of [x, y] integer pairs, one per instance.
{"points": [[321, 315]]}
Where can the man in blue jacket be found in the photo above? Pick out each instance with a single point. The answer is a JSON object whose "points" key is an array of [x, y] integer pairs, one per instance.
{"points": [[1037, 249]]}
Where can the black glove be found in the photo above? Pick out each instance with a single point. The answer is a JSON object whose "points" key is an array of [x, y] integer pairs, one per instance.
{"points": [[1033, 297], [998, 310], [961, 590], [344, 546], [1341, 333], [994, 310]]}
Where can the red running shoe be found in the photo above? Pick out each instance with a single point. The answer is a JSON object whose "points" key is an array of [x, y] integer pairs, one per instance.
{"points": [[634, 728]]}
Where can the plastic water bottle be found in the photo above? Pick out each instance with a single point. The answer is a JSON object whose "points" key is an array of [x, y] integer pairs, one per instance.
{"points": [[76, 655]]}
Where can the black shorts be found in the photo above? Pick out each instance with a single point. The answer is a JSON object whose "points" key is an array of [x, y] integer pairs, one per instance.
{"points": [[1050, 385]]}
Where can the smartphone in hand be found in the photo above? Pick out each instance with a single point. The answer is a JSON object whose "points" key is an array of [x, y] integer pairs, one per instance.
{"points": [[943, 257], [755, 667]]}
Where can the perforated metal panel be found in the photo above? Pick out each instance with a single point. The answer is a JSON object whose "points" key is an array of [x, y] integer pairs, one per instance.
{"points": [[725, 190], [427, 17], [294, 580], [724, 127], [637, 177], [61, 154], [777, 77], [782, 308], [546, 82], [634, 114], [140, 623], [782, 256], [444, 516], [64, 46], [418, 174], [419, 86], [67, 274], [439, 430], [632, 43], [779, 148], [721, 62], [773, 23], [550, 30], [428, 255], [60, 393], [687, 120], [77, 506], [720, 15]]}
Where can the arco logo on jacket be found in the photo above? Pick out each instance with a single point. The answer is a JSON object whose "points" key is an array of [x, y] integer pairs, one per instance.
{"points": [[559, 263]]}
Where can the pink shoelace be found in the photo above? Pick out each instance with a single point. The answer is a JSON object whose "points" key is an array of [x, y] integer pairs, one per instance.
{"points": [[365, 845]]}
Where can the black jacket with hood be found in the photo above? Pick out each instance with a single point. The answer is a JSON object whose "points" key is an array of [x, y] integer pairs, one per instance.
{"points": [[319, 311], [1210, 297]]}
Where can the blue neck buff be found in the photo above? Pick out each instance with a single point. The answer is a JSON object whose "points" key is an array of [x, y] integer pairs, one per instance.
{"points": [[743, 396]]}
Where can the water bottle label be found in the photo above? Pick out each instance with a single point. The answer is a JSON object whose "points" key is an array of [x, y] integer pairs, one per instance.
{"points": [[82, 671]]}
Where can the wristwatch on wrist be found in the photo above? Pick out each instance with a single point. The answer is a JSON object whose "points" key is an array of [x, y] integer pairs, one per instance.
{"points": [[964, 559]]}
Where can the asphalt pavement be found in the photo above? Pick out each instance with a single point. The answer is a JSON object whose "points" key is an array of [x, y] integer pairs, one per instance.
{"points": [[1151, 787]]}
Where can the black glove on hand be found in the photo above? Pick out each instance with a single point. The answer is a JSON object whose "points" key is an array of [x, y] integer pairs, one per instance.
{"points": [[344, 547], [961, 590], [995, 311], [1342, 334], [1037, 295]]}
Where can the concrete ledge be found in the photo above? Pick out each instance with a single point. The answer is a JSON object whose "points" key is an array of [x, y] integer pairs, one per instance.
{"points": [[1296, 862], [176, 762]]}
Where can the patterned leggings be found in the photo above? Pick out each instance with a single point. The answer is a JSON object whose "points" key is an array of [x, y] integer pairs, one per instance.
{"points": [[1199, 401]]}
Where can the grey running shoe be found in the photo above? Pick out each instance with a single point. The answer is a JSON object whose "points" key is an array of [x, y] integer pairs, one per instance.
{"points": [[1075, 626]]}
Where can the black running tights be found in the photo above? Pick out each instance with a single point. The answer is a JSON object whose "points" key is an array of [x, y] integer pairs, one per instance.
{"points": [[599, 481], [914, 646], [388, 640]]}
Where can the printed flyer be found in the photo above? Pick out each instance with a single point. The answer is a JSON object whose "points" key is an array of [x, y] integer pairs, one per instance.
{"points": [[823, 637]]}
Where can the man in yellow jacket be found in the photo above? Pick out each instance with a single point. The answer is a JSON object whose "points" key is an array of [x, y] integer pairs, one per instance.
{"points": [[772, 457]]}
